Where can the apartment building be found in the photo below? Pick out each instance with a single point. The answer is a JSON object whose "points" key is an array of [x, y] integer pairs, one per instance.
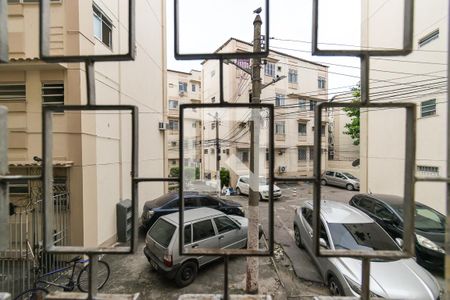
{"points": [[293, 85], [183, 88], [92, 150], [419, 77]]}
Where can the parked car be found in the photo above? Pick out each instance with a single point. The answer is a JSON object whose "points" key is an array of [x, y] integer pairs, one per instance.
{"points": [[387, 210], [203, 228], [168, 203], [345, 227], [342, 179], [243, 187]]}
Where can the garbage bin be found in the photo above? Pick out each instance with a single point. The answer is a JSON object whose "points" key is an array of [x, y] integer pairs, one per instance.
{"points": [[124, 220]]}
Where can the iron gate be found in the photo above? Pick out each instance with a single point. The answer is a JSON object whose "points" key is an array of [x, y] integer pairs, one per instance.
{"points": [[49, 206]]}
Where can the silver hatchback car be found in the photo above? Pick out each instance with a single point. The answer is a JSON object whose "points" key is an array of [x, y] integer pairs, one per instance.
{"points": [[204, 228], [342, 179], [344, 227]]}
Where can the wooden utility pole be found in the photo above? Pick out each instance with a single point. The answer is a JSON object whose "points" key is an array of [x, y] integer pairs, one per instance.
{"points": [[253, 202]]}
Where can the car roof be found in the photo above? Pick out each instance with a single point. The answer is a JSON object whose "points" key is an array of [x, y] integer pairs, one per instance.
{"points": [[337, 212], [194, 214]]}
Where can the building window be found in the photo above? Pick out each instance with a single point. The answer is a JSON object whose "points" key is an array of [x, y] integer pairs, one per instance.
{"points": [[182, 87], [322, 131], [53, 93], [429, 37], [269, 69], [194, 124], [279, 128], [102, 27], [279, 100], [205, 151], [173, 104], [428, 170], [311, 153], [302, 105], [428, 108], [171, 85], [292, 76], [193, 88], [302, 129], [213, 151], [321, 82], [173, 124], [13, 92], [312, 105], [301, 153], [173, 143], [243, 155], [267, 155]]}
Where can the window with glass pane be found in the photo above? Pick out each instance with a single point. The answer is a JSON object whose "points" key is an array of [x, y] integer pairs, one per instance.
{"points": [[182, 86], [321, 82], [102, 27], [13, 92], [269, 69], [428, 108], [302, 105], [292, 76], [312, 105], [173, 124], [302, 129], [193, 88], [279, 128], [53, 93], [173, 104], [279, 100], [301, 153]]}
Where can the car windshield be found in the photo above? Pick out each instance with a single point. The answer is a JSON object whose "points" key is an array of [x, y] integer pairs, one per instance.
{"points": [[162, 232], [426, 218], [349, 175], [262, 180], [364, 236]]}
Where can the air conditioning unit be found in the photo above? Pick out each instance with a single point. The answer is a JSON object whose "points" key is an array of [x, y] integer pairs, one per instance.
{"points": [[282, 169], [162, 126]]}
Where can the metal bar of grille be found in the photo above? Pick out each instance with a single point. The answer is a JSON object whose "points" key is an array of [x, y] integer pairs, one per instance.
{"points": [[90, 82], [229, 252], [44, 39], [48, 179], [365, 279], [4, 200], [93, 264], [218, 55], [408, 30], [4, 48]]}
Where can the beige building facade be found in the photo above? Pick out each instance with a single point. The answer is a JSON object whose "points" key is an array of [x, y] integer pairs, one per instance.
{"points": [[92, 150], [299, 85], [419, 77]]}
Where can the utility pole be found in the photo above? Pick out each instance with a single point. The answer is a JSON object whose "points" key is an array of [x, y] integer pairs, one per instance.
{"points": [[253, 202], [217, 154]]}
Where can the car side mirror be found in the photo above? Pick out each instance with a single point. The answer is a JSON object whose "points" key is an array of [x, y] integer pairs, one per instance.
{"points": [[323, 243], [399, 242], [388, 220]]}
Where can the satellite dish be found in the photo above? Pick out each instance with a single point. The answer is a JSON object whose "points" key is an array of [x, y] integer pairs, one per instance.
{"points": [[355, 163]]}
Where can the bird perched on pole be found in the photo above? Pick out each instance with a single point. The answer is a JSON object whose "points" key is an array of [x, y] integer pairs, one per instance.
{"points": [[258, 10]]}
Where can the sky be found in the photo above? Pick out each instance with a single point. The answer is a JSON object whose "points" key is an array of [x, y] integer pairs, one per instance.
{"points": [[207, 24]]}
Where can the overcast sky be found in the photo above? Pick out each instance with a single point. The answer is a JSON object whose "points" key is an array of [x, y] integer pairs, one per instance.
{"points": [[207, 24]]}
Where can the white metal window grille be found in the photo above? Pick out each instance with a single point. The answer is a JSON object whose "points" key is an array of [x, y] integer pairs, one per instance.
{"points": [[312, 105], [13, 92], [280, 128], [182, 87], [428, 170], [102, 27], [429, 38], [173, 124], [301, 129], [428, 108], [269, 69], [302, 153], [53, 93], [321, 82], [279, 100], [292, 76], [173, 104]]}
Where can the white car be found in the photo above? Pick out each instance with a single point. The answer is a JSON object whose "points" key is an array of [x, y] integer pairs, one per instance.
{"points": [[242, 187]]}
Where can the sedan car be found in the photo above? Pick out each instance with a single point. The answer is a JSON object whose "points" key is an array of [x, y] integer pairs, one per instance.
{"points": [[203, 228], [387, 210], [345, 227], [243, 187], [342, 179], [169, 203]]}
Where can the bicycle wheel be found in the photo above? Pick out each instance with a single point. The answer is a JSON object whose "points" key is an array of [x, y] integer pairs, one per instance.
{"points": [[32, 294], [102, 276]]}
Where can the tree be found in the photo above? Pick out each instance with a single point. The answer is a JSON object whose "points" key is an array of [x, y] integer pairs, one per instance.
{"points": [[224, 177], [352, 128]]}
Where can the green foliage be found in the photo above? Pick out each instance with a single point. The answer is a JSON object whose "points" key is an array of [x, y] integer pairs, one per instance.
{"points": [[174, 172], [353, 127], [197, 173], [224, 177]]}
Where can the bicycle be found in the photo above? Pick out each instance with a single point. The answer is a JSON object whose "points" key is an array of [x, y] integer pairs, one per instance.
{"points": [[41, 285]]}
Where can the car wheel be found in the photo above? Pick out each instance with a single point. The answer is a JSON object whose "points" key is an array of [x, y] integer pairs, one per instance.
{"points": [[323, 182], [350, 187], [238, 191], [335, 286], [298, 238], [186, 274]]}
